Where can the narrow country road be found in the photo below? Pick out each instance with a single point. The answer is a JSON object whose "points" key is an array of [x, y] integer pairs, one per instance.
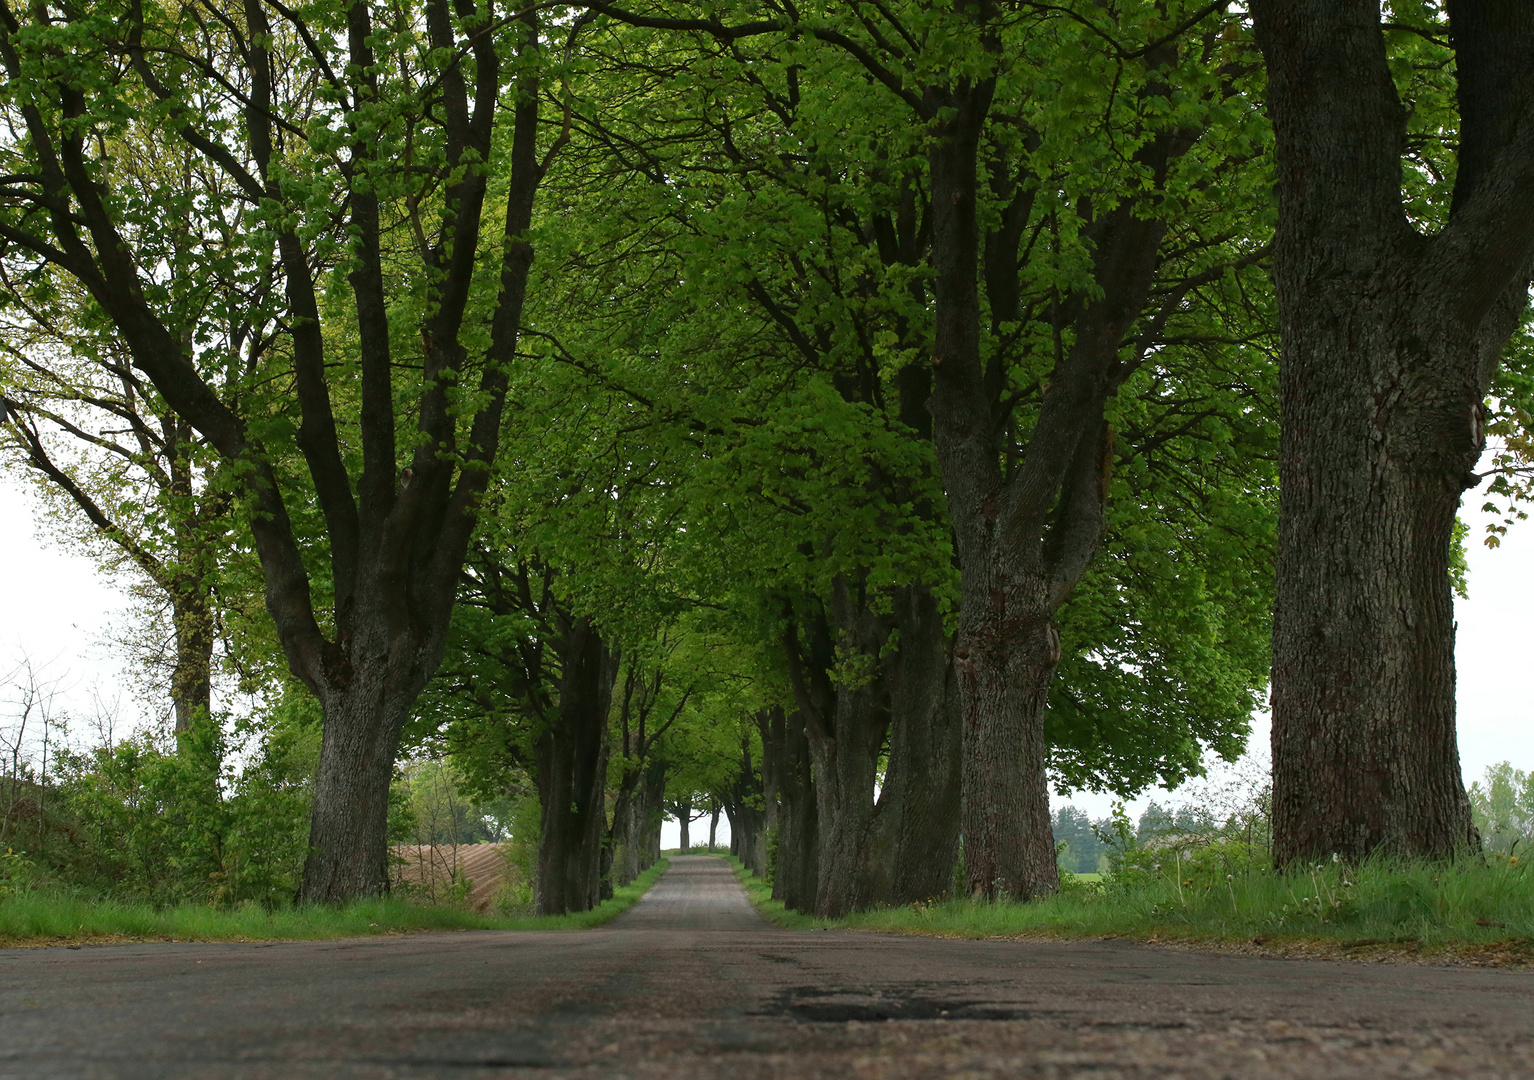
{"points": [[692, 983]]}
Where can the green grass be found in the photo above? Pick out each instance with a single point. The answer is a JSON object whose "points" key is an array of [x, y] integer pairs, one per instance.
{"points": [[1478, 910], [42, 918]]}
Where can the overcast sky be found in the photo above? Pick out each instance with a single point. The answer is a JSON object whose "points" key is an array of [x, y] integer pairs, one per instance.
{"points": [[56, 610]]}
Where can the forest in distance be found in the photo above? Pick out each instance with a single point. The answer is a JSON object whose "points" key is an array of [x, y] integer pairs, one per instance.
{"points": [[849, 419]]}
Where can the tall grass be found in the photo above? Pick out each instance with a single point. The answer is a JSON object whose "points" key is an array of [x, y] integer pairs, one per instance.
{"points": [[33, 917], [1472, 902]]}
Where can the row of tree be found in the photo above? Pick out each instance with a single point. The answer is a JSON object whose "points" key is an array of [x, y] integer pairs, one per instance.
{"points": [[892, 419]]}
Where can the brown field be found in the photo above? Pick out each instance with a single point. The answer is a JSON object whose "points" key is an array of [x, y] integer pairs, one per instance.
{"points": [[436, 872]]}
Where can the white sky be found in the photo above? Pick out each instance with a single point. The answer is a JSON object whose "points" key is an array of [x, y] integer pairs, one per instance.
{"points": [[55, 608]]}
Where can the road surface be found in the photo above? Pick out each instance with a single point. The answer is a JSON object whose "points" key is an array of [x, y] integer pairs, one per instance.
{"points": [[692, 983]]}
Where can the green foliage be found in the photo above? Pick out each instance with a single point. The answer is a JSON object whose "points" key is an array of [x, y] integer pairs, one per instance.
{"points": [[1502, 805], [434, 808], [729, 313], [169, 822], [153, 818], [517, 892], [16, 872], [1082, 850]]}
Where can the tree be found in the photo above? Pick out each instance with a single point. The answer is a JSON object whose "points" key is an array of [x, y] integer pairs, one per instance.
{"points": [[331, 252], [527, 685], [1502, 803], [1402, 265], [1054, 270], [1083, 849], [106, 448]]}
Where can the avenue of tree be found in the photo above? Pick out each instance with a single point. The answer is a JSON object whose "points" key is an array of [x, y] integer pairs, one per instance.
{"points": [[844, 418]]}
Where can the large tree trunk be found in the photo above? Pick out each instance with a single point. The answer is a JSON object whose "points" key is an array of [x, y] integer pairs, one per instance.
{"points": [[1390, 341], [363, 718], [795, 875], [624, 836], [914, 841], [769, 725], [1007, 647], [653, 792], [746, 815], [1005, 660], [571, 766], [845, 724]]}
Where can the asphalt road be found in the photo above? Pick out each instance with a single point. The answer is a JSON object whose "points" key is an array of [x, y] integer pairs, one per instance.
{"points": [[692, 983]]}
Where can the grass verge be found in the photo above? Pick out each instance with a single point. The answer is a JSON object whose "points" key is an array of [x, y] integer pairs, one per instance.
{"points": [[36, 918], [1472, 912]]}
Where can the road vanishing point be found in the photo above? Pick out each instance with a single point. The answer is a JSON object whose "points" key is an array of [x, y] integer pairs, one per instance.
{"points": [[693, 983]]}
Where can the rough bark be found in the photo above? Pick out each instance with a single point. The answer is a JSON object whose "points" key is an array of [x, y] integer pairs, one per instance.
{"points": [[1390, 341], [653, 792], [845, 724], [570, 758], [747, 829], [769, 728], [913, 842], [348, 822], [795, 872]]}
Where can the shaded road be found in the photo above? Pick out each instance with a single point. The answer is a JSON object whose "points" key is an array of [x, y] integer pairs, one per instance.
{"points": [[692, 983]]}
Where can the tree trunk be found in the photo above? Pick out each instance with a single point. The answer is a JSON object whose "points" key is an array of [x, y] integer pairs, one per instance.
{"points": [[1007, 647], [795, 876], [745, 811], [349, 819], [846, 726], [684, 821], [845, 721], [623, 841], [653, 790], [1390, 341], [191, 680], [769, 725], [914, 841], [713, 825], [571, 766], [1364, 751]]}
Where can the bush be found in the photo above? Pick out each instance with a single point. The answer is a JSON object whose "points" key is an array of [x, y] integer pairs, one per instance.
{"points": [[166, 821]]}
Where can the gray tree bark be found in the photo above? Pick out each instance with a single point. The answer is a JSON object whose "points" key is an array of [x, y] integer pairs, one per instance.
{"points": [[571, 772], [1390, 341]]}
